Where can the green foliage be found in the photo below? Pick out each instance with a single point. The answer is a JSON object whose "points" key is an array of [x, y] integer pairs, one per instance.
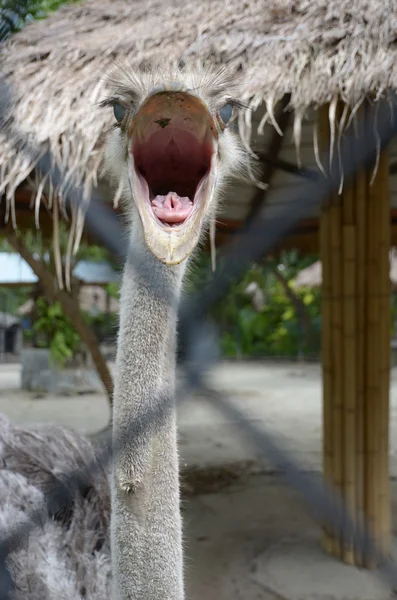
{"points": [[277, 329], [53, 330], [4, 245], [12, 298], [113, 289], [93, 253]]}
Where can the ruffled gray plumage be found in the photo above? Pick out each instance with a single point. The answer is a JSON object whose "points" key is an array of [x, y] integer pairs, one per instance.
{"points": [[66, 555]]}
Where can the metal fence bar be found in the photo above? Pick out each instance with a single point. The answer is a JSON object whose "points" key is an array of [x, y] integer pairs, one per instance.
{"points": [[324, 503], [258, 239], [357, 150]]}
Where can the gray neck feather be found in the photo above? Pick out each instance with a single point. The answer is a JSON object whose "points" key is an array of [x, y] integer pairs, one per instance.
{"points": [[146, 528]]}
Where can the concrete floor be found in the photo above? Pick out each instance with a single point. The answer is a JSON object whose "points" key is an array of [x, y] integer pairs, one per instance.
{"points": [[247, 536], [266, 393]]}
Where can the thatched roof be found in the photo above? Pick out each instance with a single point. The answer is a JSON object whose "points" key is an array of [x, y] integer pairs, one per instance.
{"points": [[7, 320], [312, 49], [15, 272], [312, 276], [91, 297]]}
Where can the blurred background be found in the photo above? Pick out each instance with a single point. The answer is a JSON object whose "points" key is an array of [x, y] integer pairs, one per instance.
{"points": [[247, 535]]}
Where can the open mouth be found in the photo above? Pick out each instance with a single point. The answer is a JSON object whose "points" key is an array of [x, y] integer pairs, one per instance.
{"points": [[172, 171]]}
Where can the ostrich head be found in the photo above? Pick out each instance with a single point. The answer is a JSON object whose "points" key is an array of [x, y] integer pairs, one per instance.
{"points": [[171, 149]]}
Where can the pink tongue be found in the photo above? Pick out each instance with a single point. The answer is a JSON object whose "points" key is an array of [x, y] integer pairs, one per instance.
{"points": [[172, 208]]}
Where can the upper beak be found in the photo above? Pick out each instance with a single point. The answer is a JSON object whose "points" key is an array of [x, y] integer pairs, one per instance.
{"points": [[169, 134]]}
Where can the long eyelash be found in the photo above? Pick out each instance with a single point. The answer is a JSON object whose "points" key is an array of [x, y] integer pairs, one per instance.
{"points": [[237, 104], [108, 102], [111, 101]]}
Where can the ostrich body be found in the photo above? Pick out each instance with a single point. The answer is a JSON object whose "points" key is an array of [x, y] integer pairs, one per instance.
{"points": [[170, 150], [169, 153]]}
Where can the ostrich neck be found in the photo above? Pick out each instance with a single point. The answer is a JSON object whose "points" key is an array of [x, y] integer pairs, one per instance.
{"points": [[146, 524]]}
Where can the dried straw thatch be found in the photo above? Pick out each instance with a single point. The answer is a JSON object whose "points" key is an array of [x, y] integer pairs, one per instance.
{"points": [[315, 50], [312, 276]]}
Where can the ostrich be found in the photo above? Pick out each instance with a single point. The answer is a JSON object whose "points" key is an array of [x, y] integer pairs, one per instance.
{"points": [[169, 152]]}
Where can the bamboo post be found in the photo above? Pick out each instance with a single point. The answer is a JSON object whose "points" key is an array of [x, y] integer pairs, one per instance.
{"points": [[354, 250], [330, 245], [372, 397], [337, 373], [381, 183], [360, 210], [326, 353], [349, 362]]}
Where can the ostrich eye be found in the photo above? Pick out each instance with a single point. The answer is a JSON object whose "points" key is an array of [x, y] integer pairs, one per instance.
{"points": [[225, 113], [119, 111]]}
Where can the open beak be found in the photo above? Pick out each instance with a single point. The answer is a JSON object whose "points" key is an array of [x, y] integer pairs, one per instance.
{"points": [[172, 169]]}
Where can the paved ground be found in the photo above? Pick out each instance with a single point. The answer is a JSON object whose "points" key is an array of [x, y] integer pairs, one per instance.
{"points": [[251, 539], [276, 396]]}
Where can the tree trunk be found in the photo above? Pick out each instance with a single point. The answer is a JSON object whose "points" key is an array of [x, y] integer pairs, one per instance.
{"points": [[36, 293], [298, 305], [71, 309]]}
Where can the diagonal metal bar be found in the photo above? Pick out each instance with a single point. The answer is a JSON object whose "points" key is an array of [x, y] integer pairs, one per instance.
{"points": [[283, 165], [259, 239], [358, 150], [324, 503]]}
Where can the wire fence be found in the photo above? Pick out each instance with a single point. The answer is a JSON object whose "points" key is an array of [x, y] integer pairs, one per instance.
{"points": [[358, 149]]}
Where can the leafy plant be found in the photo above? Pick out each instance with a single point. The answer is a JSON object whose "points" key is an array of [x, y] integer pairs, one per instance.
{"points": [[276, 330], [54, 331]]}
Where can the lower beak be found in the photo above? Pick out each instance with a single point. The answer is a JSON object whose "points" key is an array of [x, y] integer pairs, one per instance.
{"points": [[172, 171]]}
